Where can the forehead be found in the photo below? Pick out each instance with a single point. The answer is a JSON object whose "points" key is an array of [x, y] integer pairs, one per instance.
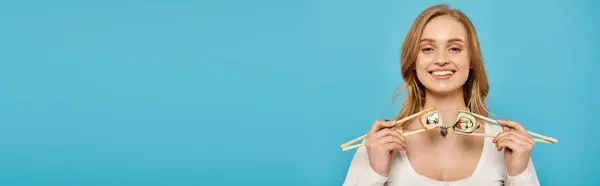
{"points": [[444, 28]]}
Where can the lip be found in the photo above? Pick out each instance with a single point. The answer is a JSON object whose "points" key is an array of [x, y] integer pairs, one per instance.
{"points": [[444, 77], [441, 69]]}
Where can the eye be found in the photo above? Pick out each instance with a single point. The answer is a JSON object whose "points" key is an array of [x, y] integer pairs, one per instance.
{"points": [[455, 50], [427, 50]]}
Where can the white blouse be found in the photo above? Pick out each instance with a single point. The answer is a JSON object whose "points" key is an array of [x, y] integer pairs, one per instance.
{"points": [[491, 170]]}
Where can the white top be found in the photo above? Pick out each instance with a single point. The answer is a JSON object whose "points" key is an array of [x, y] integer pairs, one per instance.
{"points": [[491, 170]]}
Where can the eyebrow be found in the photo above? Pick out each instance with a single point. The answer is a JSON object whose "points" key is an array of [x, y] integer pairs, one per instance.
{"points": [[449, 40]]}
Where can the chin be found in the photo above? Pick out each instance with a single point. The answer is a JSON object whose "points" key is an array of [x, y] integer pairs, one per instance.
{"points": [[443, 89]]}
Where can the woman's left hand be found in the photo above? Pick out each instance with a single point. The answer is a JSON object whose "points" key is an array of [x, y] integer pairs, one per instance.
{"points": [[517, 144]]}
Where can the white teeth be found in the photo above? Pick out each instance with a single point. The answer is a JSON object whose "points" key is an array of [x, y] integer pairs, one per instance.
{"points": [[442, 73]]}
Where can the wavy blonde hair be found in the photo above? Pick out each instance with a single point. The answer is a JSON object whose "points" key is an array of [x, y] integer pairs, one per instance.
{"points": [[476, 87]]}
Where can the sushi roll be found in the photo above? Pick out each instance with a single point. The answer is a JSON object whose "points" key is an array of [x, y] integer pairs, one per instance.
{"points": [[431, 119], [466, 123]]}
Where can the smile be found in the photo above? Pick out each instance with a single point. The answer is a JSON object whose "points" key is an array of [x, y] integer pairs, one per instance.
{"points": [[442, 74]]}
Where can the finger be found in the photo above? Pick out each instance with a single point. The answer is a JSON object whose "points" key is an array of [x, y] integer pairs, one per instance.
{"points": [[401, 137], [380, 124], [379, 134], [500, 135], [397, 134], [512, 124], [394, 146], [513, 139], [506, 128], [516, 135], [514, 147], [391, 139], [525, 137], [389, 132], [509, 144]]}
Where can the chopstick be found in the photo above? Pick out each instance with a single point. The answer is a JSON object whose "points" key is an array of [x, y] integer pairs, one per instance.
{"points": [[398, 124], [549, 139], [492, 136], [362, 144]]}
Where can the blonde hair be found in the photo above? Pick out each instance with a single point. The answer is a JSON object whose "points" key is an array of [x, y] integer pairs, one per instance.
{"points": [[476, 87]]}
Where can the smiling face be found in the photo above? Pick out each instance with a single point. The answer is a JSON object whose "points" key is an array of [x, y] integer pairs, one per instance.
{"points": [[441, 37], [443, 63]]}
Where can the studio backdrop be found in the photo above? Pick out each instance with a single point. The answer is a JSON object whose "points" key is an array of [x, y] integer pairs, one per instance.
{"points": [[263, 92]]}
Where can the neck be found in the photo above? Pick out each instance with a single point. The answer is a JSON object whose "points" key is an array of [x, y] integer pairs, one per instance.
{"points": [[448, 104]]}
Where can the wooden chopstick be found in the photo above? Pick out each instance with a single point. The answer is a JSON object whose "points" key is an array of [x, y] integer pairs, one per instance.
{"points": [[398, 124], [492, 136], [362, 144], [549, 139]]}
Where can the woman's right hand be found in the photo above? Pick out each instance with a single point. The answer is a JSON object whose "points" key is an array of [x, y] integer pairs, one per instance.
{"points": [[381, 141]]}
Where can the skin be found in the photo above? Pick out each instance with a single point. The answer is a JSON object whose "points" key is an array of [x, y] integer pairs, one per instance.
{"points": [[444, 44]]}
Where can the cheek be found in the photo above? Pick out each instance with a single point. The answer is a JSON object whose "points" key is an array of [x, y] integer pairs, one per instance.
{"points": [[422, 62], [421, 68], [464, 67], [462, 61]]}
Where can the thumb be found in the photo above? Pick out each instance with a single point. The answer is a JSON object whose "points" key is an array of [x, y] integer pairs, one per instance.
{"points": [[380, 124], [504, 127], [389, 123]]}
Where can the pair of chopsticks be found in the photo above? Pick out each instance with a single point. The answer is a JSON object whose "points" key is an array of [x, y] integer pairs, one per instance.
{"points": [[346, 146], [544, 139]]}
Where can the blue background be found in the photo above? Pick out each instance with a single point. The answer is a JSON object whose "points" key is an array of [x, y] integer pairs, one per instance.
{"points": [[263, 92]]}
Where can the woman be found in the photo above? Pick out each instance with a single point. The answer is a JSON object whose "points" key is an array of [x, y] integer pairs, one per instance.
{"points": [[442, 65]]}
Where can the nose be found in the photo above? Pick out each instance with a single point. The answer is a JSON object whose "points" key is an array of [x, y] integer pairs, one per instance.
{"points": [[441, 59]]}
